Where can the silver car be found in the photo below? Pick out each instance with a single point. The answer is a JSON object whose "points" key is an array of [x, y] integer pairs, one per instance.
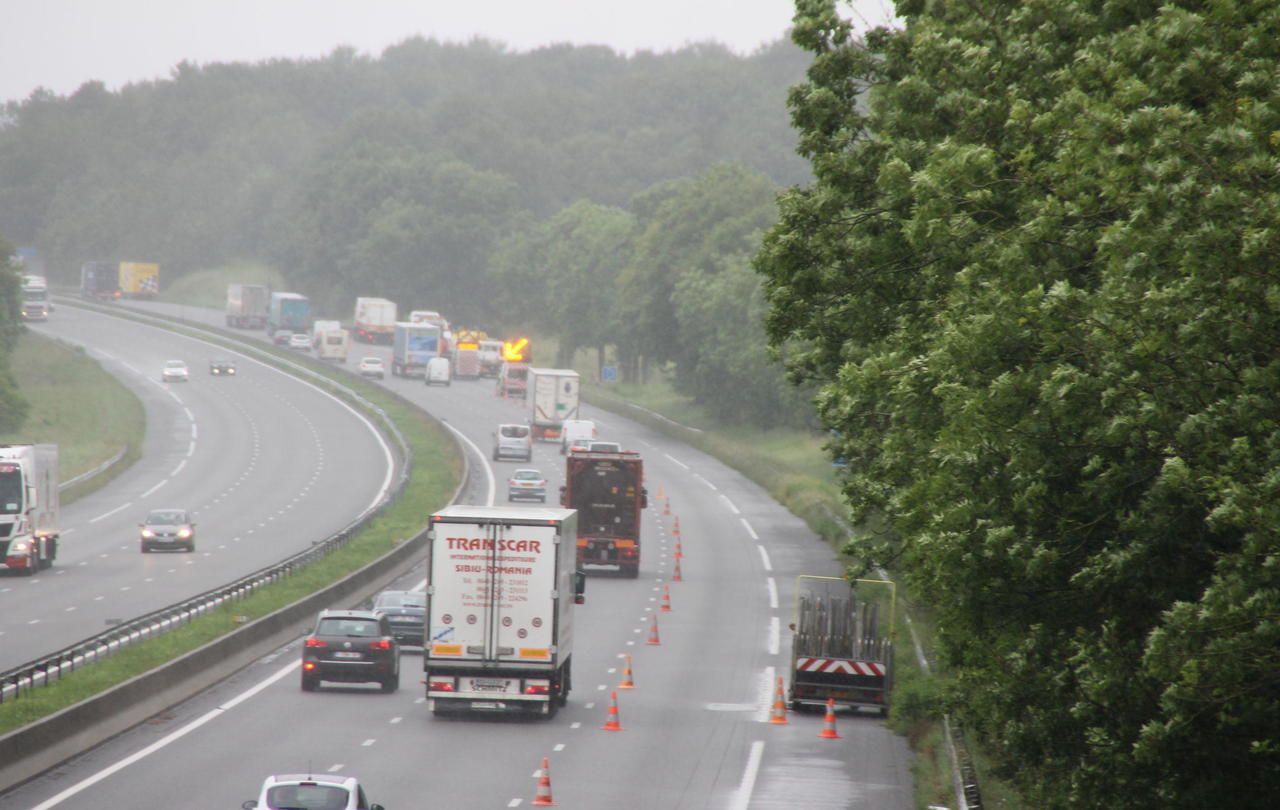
{"points": [[175, 371]]}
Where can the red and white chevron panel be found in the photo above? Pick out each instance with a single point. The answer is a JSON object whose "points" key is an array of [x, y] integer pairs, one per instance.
{"points": [[841, 665]]}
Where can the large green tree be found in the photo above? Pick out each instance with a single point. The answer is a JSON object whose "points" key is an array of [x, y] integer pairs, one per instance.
{"points": [[13, 408], [1035, 278]]}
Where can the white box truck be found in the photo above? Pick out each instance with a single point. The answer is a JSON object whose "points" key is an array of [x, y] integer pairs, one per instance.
{"points": [[501, 586], [552, 397], [28, 507], [375, 320]]}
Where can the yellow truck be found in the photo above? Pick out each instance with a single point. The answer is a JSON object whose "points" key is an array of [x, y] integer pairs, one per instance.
{"points": [[139, 279]]}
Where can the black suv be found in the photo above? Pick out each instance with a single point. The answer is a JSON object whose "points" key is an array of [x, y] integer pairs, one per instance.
{"points": [[352, 646], [222, 368], [407, 613]]}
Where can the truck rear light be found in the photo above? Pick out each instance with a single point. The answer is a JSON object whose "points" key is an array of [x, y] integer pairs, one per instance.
{"points": [[537, 687], [315, 642], [442, 686]]}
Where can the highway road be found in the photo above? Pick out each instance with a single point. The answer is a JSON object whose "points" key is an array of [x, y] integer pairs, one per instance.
{"points": [[268, 464], [695, 730]]}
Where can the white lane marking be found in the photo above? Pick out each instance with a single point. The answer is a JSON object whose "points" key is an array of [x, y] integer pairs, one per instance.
{"points": [[191, 449], [164, 741], [575, 725], [764, 693], [488, 468], [335, 767], [750, 530], [764, 558], [105, 515], [676, 460], [705, 481], [151, 491], [395, 720], [773, 593], [742, 798], [514, 803], [730, 504], [558, 747], [194, 433], [67, 532], [368, 742], [178, 468], [775, 635], [191, 417]]}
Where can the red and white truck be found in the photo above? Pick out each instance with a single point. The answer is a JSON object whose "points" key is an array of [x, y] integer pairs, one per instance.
{"points": [[28, 507], [838, 651], [501, 587], [607, 490], [374, 321]]}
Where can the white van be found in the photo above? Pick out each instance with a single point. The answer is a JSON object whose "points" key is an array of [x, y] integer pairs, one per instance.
{"points": [[513, 441], [576, 433], [438, 371]]}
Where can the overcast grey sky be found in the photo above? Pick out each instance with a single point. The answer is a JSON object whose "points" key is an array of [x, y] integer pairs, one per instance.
{"points": [[60, 44]]}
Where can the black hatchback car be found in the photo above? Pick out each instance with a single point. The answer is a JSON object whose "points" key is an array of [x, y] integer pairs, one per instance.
{"points": [[351, 646], [407, 613]]}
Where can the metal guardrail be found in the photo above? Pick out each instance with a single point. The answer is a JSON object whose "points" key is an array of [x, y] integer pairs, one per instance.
{"points": [[49, 668]]}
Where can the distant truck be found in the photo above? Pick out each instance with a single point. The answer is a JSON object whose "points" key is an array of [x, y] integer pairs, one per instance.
{"points": [[331, 343], [413, 345], [466, 359], [287, 313], [28, 507], [607, 490], [35, 298], [139, 280], [490, 357], [247, 306], [501, 587], [551, 395], [513, 379], [100, 280], [837, 649], [375, 320]]}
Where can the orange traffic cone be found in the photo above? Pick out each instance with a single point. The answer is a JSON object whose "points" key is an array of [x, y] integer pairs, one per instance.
{"points": [[829, 722], [676, 528], [779, 716], [543, 796], [677, 576], [679, 550], [627, 683], [614, 723], [666, 599], [653, 632]]}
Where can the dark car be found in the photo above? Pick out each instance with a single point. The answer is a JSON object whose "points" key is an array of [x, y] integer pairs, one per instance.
{"points": [[351, 646], [222, 368], [167, 528], [407, 613]]}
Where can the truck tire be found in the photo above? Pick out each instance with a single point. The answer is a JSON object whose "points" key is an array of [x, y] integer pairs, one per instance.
{"points": [[33, 563], [631, 570]]}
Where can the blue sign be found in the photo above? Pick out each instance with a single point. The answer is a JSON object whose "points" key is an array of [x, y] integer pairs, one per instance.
{"points": [[609, 374]]}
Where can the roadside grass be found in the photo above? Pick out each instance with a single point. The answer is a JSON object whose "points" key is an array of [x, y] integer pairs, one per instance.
{"points": [[208, 287], [436, 470], [77, 405]]}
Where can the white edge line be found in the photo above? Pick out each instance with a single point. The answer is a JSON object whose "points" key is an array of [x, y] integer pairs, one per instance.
{"points": [[775, 635], [488, 468], [732, 506], [764, 558], [750, 530], [773, 593], [705, 481], [178, 468], [742, 798], [104, 515], [676, 460], [152, 491]]}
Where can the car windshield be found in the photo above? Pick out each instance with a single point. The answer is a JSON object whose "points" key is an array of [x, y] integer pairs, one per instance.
{"points": [[528, 475], [400, 599], [514, 431], [307, 797], [364, 628], [175, 364], [164, 517]]}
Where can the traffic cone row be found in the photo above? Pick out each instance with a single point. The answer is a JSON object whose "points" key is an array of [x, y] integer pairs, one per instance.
{"points": [[679, 550], [779, 716], [543, 797], [666, 506], [677, 576], [614, 721], [676, 528], [666, 599], [627, 682], [654, 641]]}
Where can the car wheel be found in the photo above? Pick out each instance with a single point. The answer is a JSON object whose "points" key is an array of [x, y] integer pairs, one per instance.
{"points": [[390, 684], [309, 683]]}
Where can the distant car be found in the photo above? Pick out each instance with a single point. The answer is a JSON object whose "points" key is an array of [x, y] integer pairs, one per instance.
{"points": [[604, 447], [438, 371], [281, 338], [167, 528], [513, 441], [222, 368], [352, 646], [527, 485], [175, 371], [300, 341], [407, 613], [372, 367], [304, 791]]}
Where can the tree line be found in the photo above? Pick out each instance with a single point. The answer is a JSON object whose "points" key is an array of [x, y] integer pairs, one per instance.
{"points": [[611, 201], [1034, 280]]}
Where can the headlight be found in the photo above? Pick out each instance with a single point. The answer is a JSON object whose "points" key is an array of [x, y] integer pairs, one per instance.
{"points": [[19, 547], [148, 533], [184, 533]]}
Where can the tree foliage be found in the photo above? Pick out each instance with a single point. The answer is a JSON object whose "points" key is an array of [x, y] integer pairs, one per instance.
{"points": [[1035, 281], [13, 408]]}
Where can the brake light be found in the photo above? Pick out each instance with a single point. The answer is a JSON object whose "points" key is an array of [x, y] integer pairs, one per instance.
{"points": [[309, 665], [440, 686], [315, 642], [537, 689], [380, 644]]}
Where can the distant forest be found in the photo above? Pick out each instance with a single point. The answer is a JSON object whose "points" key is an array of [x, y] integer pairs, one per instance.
{"points": [[509, 190]]}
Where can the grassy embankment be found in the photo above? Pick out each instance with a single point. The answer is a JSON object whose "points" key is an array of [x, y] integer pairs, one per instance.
{"points": [[429, 488], [208, 288], [76, 405], [792, 465]]}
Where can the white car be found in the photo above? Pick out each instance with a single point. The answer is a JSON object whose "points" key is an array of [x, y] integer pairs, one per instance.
{"points": [[300, 341], [175, 371], [527, 485], [372, 367], [299, 791]]}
